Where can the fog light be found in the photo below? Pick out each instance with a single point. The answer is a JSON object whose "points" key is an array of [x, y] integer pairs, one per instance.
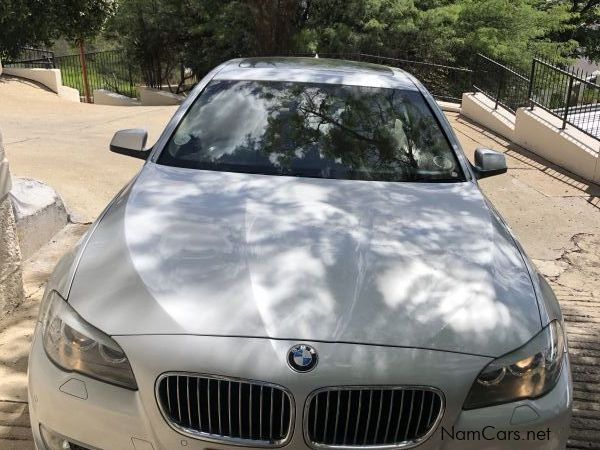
{"points": [[54, 441]]}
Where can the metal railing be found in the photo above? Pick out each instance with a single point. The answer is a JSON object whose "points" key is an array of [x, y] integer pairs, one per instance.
{"points": [[109, 70], [503, 84], [445, 82], [32, 58], [567, 94]]}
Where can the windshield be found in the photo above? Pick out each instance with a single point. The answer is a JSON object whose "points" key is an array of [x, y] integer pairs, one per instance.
{"points": [[313, 130]]}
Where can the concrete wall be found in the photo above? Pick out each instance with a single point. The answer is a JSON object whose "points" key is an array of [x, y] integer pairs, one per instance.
{"points": [[39, 214], [449, 106], [69, 93], [540, 132], [480, 109], [51, 78], [105, 97], [11, 284], [156, 97]]}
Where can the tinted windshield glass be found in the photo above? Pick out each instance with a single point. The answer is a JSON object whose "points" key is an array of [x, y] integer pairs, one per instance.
{"points": [[313, 130]]}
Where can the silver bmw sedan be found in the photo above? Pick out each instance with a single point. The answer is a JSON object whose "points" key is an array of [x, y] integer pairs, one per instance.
{"points": [[305, 260]]}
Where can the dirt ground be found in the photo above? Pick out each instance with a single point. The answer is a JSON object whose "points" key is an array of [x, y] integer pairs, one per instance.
{"points": [[555, 214]]}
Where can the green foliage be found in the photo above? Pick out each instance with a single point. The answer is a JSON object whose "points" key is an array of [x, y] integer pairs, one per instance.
{"points": [[152, 33], [582, 25], [512, 31], [371, 26], [79, 20], [443, 30], [24, 22], [161, 33], [201, 33], [38, 22]]}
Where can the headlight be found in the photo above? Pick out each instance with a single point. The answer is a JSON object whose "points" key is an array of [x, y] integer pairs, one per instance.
{"points": [[529, 372], [76, 346]]}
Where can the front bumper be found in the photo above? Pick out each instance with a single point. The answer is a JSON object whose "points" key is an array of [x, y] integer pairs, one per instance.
{"points": [[101, 416]]}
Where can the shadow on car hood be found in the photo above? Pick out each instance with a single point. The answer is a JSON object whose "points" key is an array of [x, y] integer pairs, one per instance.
{"points": [[213, 253]]}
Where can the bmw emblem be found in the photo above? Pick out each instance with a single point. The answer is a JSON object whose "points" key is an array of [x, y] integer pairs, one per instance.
{"points": [[302, 358]]}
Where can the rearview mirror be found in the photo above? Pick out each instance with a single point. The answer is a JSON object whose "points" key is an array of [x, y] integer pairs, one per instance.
{"points": [[489, 163], [131, 142]]}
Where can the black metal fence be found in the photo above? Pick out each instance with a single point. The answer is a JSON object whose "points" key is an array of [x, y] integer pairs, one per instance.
{"points": [[503, 84], [32, 58], [569, 95], [109, 70], [445, 82], [112, 70]]}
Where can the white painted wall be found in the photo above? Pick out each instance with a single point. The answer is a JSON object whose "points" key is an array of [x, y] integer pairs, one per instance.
{"points": [[540, 132], [480, 109], [156, 97], [51, 78], [105, 97], [69, 93]]}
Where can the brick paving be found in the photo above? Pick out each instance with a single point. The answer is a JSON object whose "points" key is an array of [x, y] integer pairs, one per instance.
{"points": [[582, 315]]}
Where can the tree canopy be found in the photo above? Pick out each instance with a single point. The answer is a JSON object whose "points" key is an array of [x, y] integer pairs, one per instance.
{"points": [[204, 32], [164, 34], [24, 22], [39, 22]]}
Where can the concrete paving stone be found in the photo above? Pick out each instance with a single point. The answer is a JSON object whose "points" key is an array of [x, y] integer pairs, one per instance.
{"points": [[12, 413], [554, 184], [9, 444], [16, 433]]}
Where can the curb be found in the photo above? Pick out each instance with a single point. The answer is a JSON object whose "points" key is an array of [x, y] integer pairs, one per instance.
{"points": [[39, 214]]}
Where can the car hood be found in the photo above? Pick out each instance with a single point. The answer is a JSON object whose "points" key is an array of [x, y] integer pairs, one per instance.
{"points": [[425, 265]]}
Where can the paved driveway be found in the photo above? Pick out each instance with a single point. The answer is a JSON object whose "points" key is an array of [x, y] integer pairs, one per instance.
{"points": [[65, 144], [555, 215]]}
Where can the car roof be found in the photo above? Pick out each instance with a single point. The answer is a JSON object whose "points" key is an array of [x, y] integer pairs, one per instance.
{"points": [[315, 70]]}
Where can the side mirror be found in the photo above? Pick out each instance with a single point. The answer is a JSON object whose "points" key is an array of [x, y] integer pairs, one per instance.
{"points": [[489, 163], [130, 142]]}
